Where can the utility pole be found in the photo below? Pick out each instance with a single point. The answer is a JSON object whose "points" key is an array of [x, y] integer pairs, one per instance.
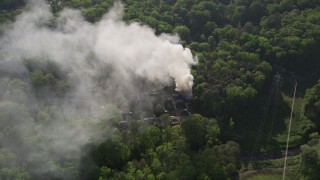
{"points": [[288, 138]]}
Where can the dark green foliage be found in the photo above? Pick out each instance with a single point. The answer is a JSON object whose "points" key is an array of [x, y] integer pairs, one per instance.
{"points": [[209, 166], [194, 131], [200, 131], [310, 162], [219, 162], [311, 106], [240, 45], [111, 154], [182, 31]]}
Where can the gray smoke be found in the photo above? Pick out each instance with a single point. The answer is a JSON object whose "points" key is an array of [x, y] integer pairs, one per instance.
{"points": [[108, 63]]}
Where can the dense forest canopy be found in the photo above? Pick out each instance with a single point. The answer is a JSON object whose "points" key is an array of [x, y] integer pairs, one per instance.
{"points": [[87, 88]]}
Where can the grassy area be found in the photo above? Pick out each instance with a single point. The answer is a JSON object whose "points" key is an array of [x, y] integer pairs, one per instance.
{"points": [[270, 177], [293, 162], [273, 139], [266, 177], [299, 126], [270, 174], [271, 169], [278, 163], [275, 120]]}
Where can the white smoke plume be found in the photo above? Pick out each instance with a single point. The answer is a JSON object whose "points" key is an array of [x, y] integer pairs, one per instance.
{"points": [[108, 63]]}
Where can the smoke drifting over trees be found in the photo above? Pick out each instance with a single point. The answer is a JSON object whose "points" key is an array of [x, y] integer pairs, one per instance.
{"points": [[105, 64], [83, 88]]}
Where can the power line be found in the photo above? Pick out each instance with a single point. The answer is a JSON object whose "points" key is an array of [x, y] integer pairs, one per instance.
{"points": [[288, 138], [276, 85], [261, 125], [273, 115]]}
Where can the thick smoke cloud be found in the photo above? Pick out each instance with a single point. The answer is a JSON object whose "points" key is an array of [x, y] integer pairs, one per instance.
{"points": [[108, 63]]}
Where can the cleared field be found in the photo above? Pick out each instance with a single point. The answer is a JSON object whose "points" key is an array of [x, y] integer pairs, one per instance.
{"points": [[266, 177]]}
